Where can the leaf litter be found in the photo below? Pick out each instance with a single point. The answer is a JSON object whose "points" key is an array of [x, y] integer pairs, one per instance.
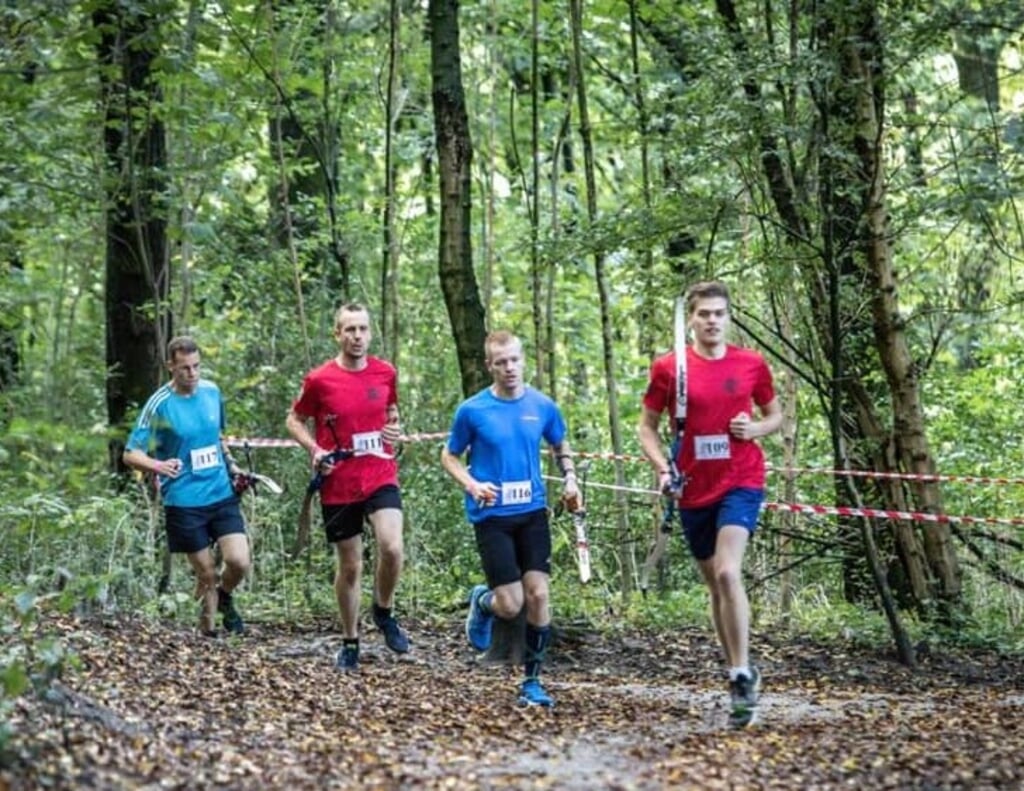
{"points": [[157, 706]]}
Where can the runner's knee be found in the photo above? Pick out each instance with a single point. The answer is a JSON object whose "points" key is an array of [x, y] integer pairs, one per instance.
{"points": [[508, 601], [727, 579], [536, 596]]}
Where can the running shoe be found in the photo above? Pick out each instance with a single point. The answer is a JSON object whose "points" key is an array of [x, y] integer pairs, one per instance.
{"points": [[233, 622], [743, 699], [532, 693], [478, 623], [347, 659], [395, 638]]}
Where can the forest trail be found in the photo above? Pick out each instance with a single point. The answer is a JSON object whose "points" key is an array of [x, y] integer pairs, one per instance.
{"points": [[151, 708]]}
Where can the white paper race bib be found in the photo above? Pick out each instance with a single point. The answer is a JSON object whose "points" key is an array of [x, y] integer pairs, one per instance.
{"points": [[711, 447], [205, 458], [368, 442], [516, 493]]}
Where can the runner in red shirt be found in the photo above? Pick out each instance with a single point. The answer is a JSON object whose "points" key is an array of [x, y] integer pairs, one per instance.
{"points": [[722, 467], [352, 401]]}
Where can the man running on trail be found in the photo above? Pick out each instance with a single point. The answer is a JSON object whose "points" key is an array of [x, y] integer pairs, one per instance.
{"points": [[502, 427], [178, 438], [353, 401], [722, 468]]}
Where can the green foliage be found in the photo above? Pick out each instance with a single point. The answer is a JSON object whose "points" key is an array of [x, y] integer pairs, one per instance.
{"points": [[30, 659], [227, 74]]}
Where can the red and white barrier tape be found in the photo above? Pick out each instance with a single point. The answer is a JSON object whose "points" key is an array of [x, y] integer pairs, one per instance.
{"points": [[880, 513], [840, 510], [256, 442], [904, 476], [239, 442]]}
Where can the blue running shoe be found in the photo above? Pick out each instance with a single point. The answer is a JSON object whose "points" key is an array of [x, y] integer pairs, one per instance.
{"points": [[478, 622], [394, 637], [532, 693], [347, 659]]}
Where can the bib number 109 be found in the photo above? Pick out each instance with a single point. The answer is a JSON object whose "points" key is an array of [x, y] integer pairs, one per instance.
{"points": [[711, 447]]}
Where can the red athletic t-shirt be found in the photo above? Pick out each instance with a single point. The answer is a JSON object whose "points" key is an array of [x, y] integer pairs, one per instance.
{"points": [[711, 459], [359, 400]]}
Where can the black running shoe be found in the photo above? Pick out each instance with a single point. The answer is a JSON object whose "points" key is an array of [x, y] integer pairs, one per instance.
{"points": [[347, 659], [233, 623], [743, 694]]}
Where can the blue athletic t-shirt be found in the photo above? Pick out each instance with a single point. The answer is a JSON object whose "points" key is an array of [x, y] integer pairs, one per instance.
{"points": [[503, 437], [186, 427]]}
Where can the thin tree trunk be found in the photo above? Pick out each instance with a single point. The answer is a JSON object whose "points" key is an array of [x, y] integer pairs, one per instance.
{"points": [[626, 559], [533, 205], [389, 266], [789, 456], [645, 342], [315, 153], [861, 60]]}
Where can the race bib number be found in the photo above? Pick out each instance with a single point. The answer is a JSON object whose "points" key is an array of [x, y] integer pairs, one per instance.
{"points": [[516, 493], [367, 442], [205, 458], [711, 447]]}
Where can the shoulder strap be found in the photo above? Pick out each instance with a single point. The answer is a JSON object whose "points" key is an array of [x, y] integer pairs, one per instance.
{"points": [[680, 333]]}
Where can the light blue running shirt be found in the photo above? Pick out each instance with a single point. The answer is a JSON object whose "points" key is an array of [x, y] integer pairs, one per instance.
{"points": [[504, 441], [173, 426]]}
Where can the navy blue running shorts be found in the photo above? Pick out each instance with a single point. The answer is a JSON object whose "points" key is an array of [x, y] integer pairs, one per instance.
{"points": [[194, 528], [701, 525]]}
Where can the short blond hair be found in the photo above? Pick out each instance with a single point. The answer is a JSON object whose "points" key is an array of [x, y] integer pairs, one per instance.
{"points": [[499, 338]]}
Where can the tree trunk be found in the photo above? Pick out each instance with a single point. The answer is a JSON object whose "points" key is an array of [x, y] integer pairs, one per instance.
{"points": [[977, 52], [541, 340], [645, 340], [10, 357], [389, 268], [626, 558], [862, 72], [855, 250], [304, 133], [137, 281], [455, 151]]}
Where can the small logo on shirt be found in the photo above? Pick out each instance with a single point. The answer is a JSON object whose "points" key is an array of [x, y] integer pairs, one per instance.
{"points": [[373, 394], [730, 385]]}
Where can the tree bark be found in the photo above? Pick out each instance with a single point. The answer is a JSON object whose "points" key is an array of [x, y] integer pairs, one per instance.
{"points": [[626, 558], [455, 152], [137, 274], [304, 133], [10, 357], [863, 75], [389, 267], [857, 254]]}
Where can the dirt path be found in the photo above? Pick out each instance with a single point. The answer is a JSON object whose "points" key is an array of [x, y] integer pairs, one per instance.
{"points": [[154, 706]]}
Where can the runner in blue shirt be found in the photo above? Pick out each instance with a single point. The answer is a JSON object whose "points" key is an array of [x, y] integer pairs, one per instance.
{"points": [[178, 438], [501, 427]]}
